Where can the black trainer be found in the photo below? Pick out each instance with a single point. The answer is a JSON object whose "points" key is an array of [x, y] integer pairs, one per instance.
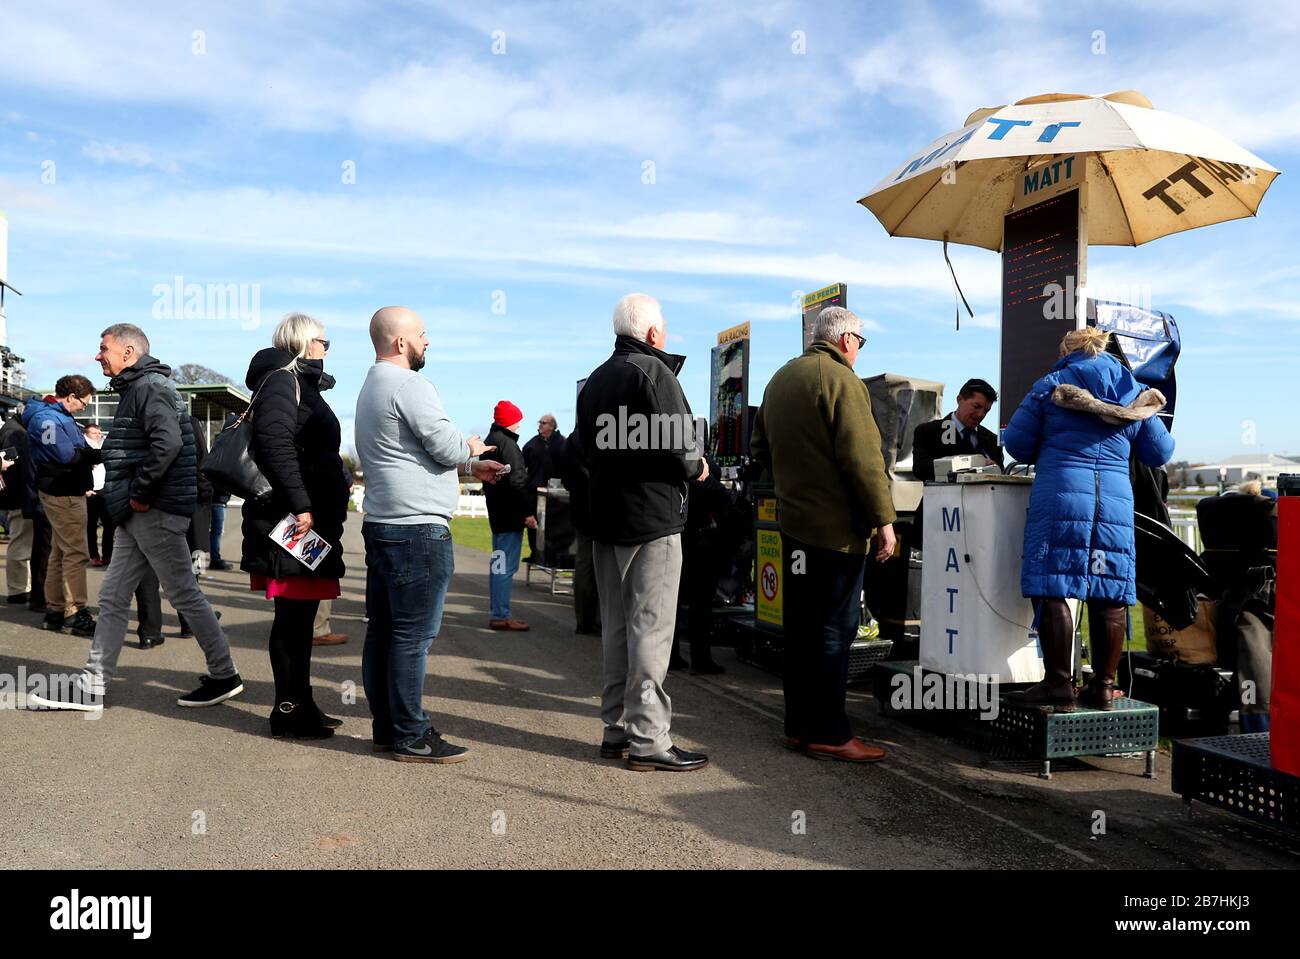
{"points": [[431, 748], [19, 598], [82, 624], [212, 691], [53, 621]]}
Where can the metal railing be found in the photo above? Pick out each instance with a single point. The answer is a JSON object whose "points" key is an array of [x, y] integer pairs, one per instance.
{"points": [[1184, 524]]}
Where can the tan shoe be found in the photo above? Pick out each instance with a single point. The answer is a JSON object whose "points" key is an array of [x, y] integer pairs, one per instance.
{"points": [[854, 751], [329, 639], [513, 625]]}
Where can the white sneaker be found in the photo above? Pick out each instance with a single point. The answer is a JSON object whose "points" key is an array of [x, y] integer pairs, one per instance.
{"points": [[78, 701]]}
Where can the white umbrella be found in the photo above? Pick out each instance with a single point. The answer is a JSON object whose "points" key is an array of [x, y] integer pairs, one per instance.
{"points": [[1152, 173]]}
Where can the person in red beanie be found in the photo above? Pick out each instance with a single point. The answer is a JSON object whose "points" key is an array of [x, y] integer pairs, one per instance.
{"points": [[511, 508]]}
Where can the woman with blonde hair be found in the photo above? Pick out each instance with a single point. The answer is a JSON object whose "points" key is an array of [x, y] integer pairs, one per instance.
{"points": [[1079, 424], [295, 442]]}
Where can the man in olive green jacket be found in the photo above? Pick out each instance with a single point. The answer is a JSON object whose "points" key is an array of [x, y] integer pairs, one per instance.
{"points": [[815, 433]]}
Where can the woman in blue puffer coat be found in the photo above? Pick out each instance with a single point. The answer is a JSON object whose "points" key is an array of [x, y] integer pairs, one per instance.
{"points": [[1079, 424]]}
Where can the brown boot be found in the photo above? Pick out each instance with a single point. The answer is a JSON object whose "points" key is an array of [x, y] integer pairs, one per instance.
{"points": [[1107, 629], [512, 625], [1056, 635]]}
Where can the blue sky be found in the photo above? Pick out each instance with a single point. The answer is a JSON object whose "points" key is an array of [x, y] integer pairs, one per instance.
{"points": [[209, 142]]}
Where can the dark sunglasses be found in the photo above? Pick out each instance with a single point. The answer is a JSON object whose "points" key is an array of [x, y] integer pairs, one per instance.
{"points": [[324, 343], [862, 340]]}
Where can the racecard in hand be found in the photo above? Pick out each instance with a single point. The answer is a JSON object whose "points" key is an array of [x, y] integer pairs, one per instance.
{"points": [[309, 549]]}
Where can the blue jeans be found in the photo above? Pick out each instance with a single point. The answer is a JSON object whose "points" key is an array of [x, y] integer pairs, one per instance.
{"points": [[501, 570], [218, 526], [408, 569]]}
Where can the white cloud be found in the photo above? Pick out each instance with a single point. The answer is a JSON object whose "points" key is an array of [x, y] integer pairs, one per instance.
{"points": [[714, 226], [445, 104], [129, 154]]}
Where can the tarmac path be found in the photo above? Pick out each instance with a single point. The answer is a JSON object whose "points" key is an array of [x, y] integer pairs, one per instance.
{"points": [[153, 785]]}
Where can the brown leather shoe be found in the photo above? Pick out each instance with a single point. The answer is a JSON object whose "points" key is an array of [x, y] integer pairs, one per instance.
{"points": [[792, 742], [329, 639], [854, 751], [513, 625]]}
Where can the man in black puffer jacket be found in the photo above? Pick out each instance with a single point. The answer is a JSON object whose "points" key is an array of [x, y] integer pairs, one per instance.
{"points": [[641, 446], [150, 489]]}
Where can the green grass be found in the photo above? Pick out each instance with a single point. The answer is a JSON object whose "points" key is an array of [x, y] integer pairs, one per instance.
{"points": [[1138, 643], [474, 532]]}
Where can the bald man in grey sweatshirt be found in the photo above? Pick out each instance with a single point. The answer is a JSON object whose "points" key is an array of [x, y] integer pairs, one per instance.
{"points": [[412, 456]]}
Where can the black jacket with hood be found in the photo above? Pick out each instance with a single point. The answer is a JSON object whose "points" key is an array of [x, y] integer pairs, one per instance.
{"points": [[149, 453], [511, 500], [638, 437], [12, 495], [295, 443]]}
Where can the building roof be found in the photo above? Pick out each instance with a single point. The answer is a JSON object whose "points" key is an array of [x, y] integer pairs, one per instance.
{"points": [[207, 400], [1246, 460]]}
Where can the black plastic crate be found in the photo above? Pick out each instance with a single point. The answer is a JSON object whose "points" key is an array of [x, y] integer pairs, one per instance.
{"points": [[1236, 773], [1194, 699], [765, 649]]}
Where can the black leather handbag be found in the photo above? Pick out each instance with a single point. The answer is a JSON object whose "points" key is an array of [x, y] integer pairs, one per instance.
{"points": [[229, 465]]}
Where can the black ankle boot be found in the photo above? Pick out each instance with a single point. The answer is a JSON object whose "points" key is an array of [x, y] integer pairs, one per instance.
{"points": [[308, 700], [298, 721], [329, 722]]}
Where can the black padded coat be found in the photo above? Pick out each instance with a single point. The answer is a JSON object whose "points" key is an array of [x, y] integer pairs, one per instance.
{"points": [[295, 443]]}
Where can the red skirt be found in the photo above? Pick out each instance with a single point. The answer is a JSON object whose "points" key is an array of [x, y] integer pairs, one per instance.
{"points": [[295, 587]]}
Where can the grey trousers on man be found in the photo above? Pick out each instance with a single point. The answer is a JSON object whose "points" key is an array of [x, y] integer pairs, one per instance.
{"points": [[152, 539], [638, 611], [18, 571]]}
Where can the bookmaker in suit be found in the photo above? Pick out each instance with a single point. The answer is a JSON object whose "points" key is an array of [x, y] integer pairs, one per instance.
{"points": [[958, 433]]}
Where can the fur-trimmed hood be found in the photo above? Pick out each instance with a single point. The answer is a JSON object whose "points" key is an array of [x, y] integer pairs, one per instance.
{"points": [[1144, 406]]}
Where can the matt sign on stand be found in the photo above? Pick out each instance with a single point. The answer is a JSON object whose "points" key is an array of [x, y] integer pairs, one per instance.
{"points": [[973, 618]]}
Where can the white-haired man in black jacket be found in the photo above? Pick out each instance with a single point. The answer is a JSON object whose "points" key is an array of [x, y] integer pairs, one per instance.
{"points": [[640, 444]]}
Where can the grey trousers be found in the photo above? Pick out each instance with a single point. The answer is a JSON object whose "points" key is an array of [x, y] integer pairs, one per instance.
{"points": [[638, 611], [152, 539], [18, 572]]}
